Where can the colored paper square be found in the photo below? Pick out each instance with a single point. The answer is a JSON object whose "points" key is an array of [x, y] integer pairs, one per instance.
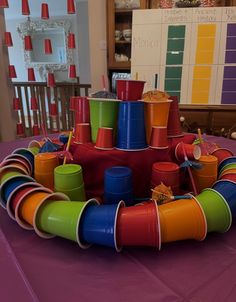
{"points": [[201, 85], [174, 58], [231, 30], [204, 57], [173, 72], [230, 72], [175, 44], [202, 72], [176, 31], [172, 85], [231, 43], [206, 30], [228, 98], [200, 97], [206, 43], [229, 85], [230, 56]]}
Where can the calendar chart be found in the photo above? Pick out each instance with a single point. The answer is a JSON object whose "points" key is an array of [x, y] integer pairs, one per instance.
{"points": [[192, 50]]}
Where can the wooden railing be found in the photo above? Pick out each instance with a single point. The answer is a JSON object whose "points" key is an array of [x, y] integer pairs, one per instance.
{"points": [[45, 96]]}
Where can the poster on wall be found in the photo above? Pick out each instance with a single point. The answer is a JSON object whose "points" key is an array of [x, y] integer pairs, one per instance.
{"points": [[193, 51]]}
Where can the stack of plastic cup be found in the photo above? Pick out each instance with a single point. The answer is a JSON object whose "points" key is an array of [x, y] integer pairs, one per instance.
{"points": [[174, 127], [167, 173], [68, 179], [45, 163], [118, 185], [103, 113], [8, 160], [227, 164], [221, 154], [207, 175], [104, 139], [159, 138], [131, 126]]}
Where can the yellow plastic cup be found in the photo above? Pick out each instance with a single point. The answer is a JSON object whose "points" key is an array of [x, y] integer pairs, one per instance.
{"points": [[182, 219]]}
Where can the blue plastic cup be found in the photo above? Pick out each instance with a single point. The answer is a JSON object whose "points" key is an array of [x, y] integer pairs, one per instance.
{"points": [[131, 133], [118, 185], [227, 189], [98, 225]]}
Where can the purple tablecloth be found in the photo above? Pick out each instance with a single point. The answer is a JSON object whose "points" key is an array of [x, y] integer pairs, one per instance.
{"points": [[34, 269]]}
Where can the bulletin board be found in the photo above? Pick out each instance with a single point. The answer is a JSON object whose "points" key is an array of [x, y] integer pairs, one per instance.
{"points": [[193, 51]]}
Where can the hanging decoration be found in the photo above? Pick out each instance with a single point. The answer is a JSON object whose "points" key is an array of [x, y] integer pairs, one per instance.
{"points": [[16, 104], [28, 43], [44, 11], [20, 131], [47, 47], [71, 41], [33, 104], [25, 8], [31, 75], [8, 39], [36, 130], [51, 80], [4, 4], [72, 71], [12, 72], [70, 7]]}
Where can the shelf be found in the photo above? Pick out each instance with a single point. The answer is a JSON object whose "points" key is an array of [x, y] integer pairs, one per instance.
{"points": [[123, 11], [122, 42], [120, 65]]}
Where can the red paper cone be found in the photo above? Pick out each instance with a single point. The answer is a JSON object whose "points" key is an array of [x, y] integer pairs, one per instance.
{"points": [[31, 75], [36, 130], [44, 11], [51, 80], [72, 72], [20, 131], [33, 104], [16, 104], [12, 72], [25, 8], [4, 4], [47, 47], [53, 109], [8, 39], [71, 41], [70, 7], [28, 43]]}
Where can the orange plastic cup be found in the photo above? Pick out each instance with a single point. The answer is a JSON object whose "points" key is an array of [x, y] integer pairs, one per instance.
{"points": [[182, 219], [45, 163], [203, 182], [156, 114], [209, 165], [30, 204], [225, 172]]}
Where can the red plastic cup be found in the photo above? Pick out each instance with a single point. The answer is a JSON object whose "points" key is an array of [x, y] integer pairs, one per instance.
{"points": [[53, 111], [104, 139], [36, 130], [44, 11], [70, 7], [12, 72], [174, 126], [130, 90], [16, 104], [168, 173], [8, 39], [20, 131], [31, 75], [222, 154], [71, 40], [139, 226], [25, 8], [230, 176], [159, 138], [47, 47], [33, 104], [82, 133], [72, 72], [81, 107], [51, 80], [28, 43], [193, 152], [4, 4]]}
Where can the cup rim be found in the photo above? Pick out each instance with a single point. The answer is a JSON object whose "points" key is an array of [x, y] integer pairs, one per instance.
{"points": [[132, 150], [103, 100], [225, 160], [42, 234], [166, 147], [158, 224], [21, 156], [14, 167], [119, 205], [25, 225], [8, 204], [17, 161], [5, 182], [158, 102]]}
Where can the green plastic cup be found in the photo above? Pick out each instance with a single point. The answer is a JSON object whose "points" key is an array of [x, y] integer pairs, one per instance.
{"points": [[34, 150], [216, 209], [68, 177], [62, 218], [77, 194], [9, 172], [228, 167], [103, 113]]}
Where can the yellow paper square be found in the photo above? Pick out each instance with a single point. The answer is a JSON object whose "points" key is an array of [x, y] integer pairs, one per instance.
{"points": [[200, 97], [206, 44], [204, 57], [202, 72], [206, 30]]}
